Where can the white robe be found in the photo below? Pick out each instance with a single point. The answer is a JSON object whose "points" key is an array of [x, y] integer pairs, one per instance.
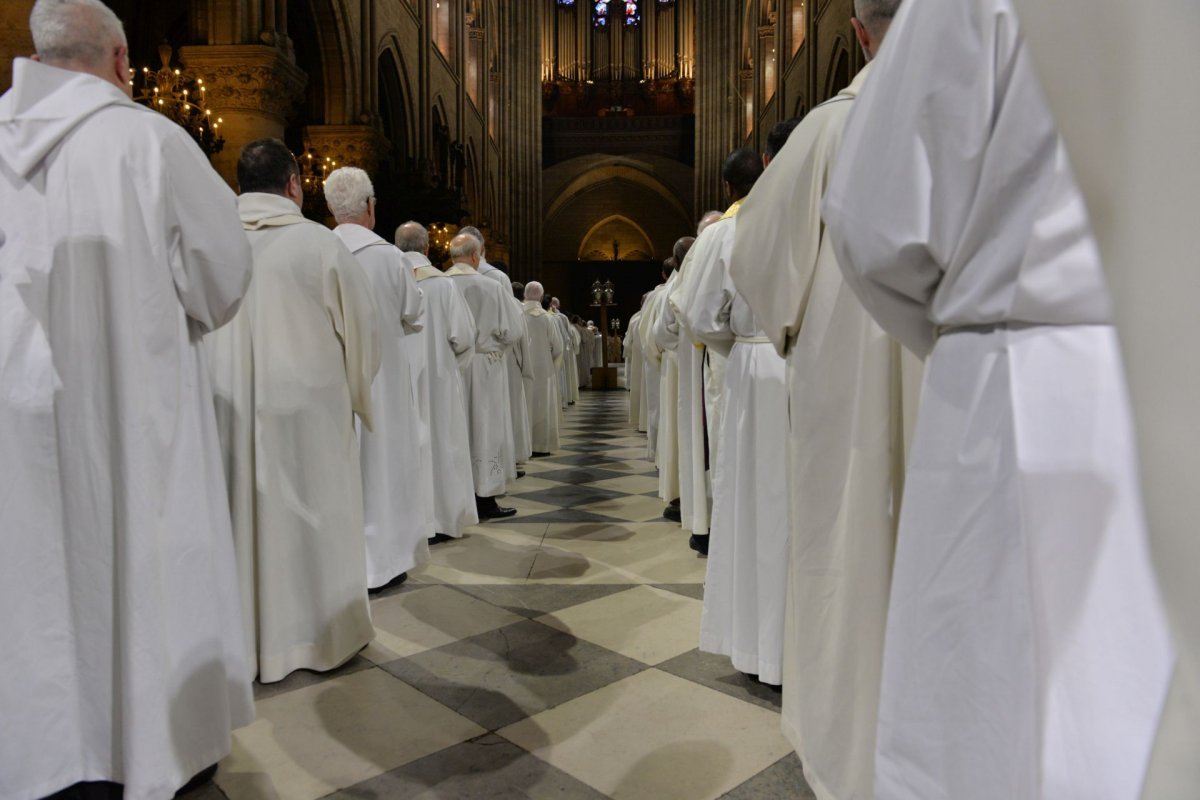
{"points": [[583, 357], [691, 417], [572, 359], [122, 652], [1026, 653], [396, 516], [418, 359], [662, 370], [449, 339], [545, 355], [848, 414], [564, 335], [289, 374], [498, 326], [1142, 195], [520, 374], [634, 369], [746, 583]]}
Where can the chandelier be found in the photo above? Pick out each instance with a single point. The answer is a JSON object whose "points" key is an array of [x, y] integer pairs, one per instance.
{"points": [[181, 98], [314, 170]]}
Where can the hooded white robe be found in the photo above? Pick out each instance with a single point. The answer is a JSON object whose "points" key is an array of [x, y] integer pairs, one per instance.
{"points": [[1142, 195], [449, 339], [289, 374], [693, 473], [545, 355], [746, 583], [395, 512], [848, 413], [498, 326], [1026, 652], [123, 657]]}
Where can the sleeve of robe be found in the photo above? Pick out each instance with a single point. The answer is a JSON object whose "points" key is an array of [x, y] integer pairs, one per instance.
{"points": [[706, 304], [522, 348], [666, 326], [209, 253], [352, 309], [413, 319], [461, 331], [556, 344], [511, 329], [903, 185], [650, 349], [778, 236]]}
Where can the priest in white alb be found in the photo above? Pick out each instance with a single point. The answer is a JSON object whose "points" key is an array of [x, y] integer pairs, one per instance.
{"points": [[449, 340], [545, 354], [290, 373], [498, 325], [1027, 653], [121, 639], [634, 371], [562, 323], [846, 443], [662, 364], [396, 516], [746, 583]]}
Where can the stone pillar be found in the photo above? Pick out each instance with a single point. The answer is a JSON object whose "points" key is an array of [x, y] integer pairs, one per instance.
{"points": [[15, 39], [521, 138], [719, 111], [349, 145], [252, 88]]}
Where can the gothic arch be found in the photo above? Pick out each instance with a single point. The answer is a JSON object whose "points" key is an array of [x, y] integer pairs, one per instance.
{"points": [[614, 172], [637, 243], [396, 108], [838, 76], [331, 69]]}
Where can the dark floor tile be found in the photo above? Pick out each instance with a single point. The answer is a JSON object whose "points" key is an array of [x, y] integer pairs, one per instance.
{"points": [[566, 496], [784, 778], [304, 677], [693, 590], [534, 600], [716, 672], [564, 515], [577, 476], [506, 675], [588, 447], [583, 460], [489, 767]]}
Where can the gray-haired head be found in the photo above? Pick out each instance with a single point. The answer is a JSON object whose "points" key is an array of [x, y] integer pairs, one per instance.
{"points": [[534, 291], [464, 247], [75, 32], [876, 15], [554, 303], [680, 250], [348, 193], [708, 219], [471, 230], [412, 237]]}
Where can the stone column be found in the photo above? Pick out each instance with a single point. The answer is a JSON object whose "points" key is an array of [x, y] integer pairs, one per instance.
{"points": [[521, 138], [349, 145], [252, 88]]}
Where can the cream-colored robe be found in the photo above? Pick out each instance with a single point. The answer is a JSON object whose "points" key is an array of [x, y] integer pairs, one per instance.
{"points": [[634, 371], [663, 425], [394, 471], [499, 325], [545, 354], [121, 649], [848, 410], [1140, 179], [289, 374]]}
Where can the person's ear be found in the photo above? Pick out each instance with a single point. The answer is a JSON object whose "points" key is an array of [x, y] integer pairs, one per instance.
{"points": [[860, 33]]}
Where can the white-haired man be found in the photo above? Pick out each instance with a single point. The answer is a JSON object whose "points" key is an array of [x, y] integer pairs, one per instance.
{"points": [[449, 340], [290, 373], [564, 372], [499, 324], [396, 516], [846, 445], [1026, 652], [123, 655], [545, 358]]}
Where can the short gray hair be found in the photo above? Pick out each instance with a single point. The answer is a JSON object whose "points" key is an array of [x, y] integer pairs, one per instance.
{"points": [[75, 31], [534, 291], [876, 15], [412, 237], [348, 192], [471, 230], [464, 246]]}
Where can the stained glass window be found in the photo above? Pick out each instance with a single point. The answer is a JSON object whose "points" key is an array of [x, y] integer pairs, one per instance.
{"points": [[631, 13], [566, 3]]}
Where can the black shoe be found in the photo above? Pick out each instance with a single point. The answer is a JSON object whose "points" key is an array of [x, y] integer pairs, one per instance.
{"points": [[672, 513], [488, 508], [438, 538], [198, 780], [540, 455], [520, 474], [396, 581], [699, 544]]}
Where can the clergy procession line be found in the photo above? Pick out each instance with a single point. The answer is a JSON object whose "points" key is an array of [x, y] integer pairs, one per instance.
{"points": [[882, 390]]}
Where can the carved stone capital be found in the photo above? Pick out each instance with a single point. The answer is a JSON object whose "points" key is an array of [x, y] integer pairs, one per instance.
{"points": [[250, 77], [349, 145]]}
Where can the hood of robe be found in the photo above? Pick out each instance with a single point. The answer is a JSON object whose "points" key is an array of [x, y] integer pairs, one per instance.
{"points": [[534, 308], [260, 210], [356, 237], [44, 105]]}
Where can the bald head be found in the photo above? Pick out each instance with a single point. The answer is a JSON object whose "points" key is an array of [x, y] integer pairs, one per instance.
{"points": [[872, 18], [83, 36], [708, 219], [411, 237], [465, 249]]}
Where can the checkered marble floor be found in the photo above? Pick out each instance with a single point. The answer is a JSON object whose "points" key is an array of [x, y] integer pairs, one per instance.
{"points": [[552, 655]]}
